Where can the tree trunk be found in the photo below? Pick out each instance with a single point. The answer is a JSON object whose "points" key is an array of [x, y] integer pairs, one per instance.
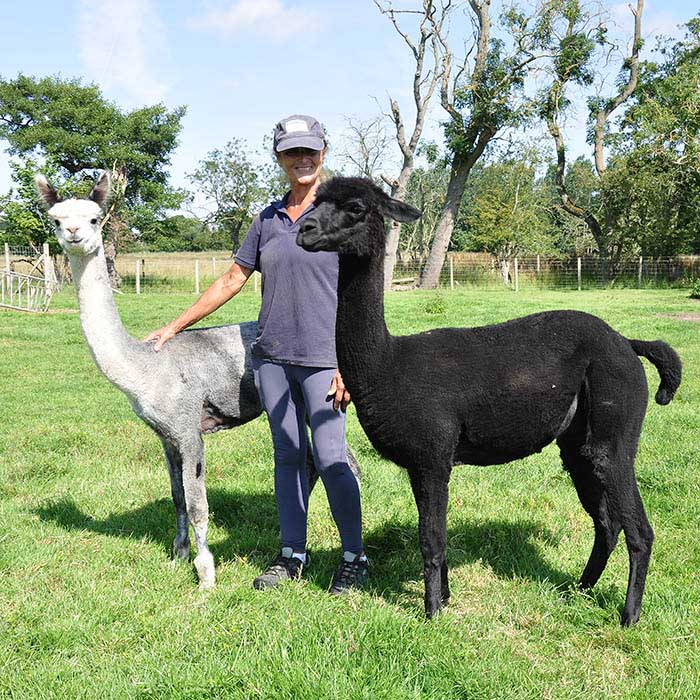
{"points": [[115, 280], [443, 232], [505, 271], [392, 240]]}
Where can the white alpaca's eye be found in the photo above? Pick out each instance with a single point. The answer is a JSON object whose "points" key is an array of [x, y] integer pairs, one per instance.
{"points": [[57, 222], [93, 221]]}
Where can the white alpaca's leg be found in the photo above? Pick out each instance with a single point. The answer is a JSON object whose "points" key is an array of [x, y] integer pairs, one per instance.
{"points": [[181, 543], [197, 507]]}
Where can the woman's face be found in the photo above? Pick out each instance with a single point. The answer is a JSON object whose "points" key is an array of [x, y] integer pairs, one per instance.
{"points": [[301, 165]]}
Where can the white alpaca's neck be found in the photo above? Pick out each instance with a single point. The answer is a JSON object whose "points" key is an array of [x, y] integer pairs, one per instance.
{"points": [[111, 346]]}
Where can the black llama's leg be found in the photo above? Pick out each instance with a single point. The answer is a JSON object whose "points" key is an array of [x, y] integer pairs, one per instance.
{"points": [[592, 495], [431, 491], [639, 538]]}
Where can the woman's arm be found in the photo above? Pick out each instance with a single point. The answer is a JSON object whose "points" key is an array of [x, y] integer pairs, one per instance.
{"points": [[223, 289]]}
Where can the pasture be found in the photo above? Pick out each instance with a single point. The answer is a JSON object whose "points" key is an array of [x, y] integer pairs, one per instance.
{"points": [[91, 608]]}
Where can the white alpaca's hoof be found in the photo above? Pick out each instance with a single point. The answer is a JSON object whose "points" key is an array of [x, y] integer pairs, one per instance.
{"points": [[204, 563]]}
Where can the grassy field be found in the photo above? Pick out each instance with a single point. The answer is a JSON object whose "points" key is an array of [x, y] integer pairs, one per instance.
{"points": [[91, 608]]}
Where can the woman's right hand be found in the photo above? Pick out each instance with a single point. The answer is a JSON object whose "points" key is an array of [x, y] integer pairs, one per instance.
{"points": [[161, 336]]}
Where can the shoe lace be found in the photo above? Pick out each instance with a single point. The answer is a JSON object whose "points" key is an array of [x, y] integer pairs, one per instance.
{"points": [[284, 565], [349, 571]]}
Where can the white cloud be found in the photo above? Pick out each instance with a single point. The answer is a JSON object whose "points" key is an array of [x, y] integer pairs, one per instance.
{"points": [[120, 43], [269, 18]]}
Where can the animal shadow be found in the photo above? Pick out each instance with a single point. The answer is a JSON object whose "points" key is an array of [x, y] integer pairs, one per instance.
{"points": [[249, 520], [509, 549]]}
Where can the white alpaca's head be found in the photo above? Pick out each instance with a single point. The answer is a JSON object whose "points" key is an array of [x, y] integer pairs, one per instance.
{"points": [[77, 221]]}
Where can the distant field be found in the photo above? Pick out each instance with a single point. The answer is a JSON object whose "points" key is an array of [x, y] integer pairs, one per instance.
{"points": [[90, 607]]}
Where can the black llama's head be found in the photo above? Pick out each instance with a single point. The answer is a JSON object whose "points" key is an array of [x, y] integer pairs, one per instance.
{"points": [[349, 218]]}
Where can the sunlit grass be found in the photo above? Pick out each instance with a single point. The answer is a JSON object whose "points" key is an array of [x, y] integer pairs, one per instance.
{"points": [[91, 608]]}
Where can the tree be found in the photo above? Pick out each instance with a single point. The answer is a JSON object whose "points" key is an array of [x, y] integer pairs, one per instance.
{"points": [[576, 49], [482, 96], [231, 187], [433, 20], [80, 132], [655, 181], [364, 147], [506, 210], [425, 191]]}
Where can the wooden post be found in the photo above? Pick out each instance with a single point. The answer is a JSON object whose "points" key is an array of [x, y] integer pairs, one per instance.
{"points": [[538, 264], [639, 273], [196, 276], [7, 257], [138, 276], [578, 272], [452, 272], [48, 277], [517, 281]]}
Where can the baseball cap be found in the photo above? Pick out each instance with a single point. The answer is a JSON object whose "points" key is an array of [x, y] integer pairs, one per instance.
{"points": [[299, 131]]}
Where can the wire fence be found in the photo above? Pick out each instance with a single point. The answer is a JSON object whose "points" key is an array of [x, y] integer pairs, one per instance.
{"points": [[193, 273]]}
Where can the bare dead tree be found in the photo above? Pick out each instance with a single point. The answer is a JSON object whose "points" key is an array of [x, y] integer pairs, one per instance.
{"points": [[365, 143], [574, 70], [426, 77], [482, 94]]}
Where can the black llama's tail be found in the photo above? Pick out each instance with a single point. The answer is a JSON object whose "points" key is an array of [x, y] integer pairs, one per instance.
{"points": [[667, 362]]}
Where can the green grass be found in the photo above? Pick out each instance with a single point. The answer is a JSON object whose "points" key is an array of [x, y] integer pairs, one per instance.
{"points": [[90, 607]]}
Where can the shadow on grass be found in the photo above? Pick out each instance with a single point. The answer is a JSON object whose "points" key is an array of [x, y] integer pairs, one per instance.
{"points": [[509, 549]]}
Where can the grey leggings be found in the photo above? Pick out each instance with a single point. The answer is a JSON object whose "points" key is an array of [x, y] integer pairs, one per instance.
{"points": [[288, 393]]}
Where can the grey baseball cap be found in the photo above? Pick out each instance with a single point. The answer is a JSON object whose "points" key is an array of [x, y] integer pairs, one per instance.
{"points": [[299, 131]]}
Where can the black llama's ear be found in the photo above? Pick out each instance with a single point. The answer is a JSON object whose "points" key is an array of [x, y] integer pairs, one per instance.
{"points": [[400, 211], [101, 190], [47, 193]]}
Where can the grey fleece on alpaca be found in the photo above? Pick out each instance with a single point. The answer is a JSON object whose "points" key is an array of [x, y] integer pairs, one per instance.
{"points": [[200, 382], [489, 395]]}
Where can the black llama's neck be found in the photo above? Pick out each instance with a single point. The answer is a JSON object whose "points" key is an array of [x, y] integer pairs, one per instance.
{"points": [[363, 343]]}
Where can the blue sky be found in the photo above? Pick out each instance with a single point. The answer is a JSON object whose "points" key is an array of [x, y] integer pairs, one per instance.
{"points": [[240, 65]]}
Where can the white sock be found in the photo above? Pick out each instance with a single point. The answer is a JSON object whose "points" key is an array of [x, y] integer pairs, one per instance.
{"points": [[351, 556], [288, 553]]}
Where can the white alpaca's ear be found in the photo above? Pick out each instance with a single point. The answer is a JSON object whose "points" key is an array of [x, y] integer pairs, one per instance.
{"points": [[400, 211], [47, 194], [102, 189]]}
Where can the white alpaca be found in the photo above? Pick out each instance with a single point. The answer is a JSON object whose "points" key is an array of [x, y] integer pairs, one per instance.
{"points": [[200, 382]]}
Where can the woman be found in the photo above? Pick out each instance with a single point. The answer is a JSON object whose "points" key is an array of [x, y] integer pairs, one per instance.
{"points": [[294, 358]]}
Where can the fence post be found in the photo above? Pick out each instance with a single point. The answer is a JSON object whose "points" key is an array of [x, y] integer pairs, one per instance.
{"points": [[517, 281], [578, 273], [639, 274], [452, 272], [47, 265], [196, 276], [138, 276], [538, 264], [7, 257]]}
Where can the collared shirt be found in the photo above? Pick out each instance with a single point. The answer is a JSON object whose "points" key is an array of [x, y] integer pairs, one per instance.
{"points": [[296, 324]]}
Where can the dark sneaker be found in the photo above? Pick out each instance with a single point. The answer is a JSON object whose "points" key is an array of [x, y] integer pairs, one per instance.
{"points": [[352, 573], [283, 568]]}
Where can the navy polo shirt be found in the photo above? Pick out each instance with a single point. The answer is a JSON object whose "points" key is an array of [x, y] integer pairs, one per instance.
{"points": [[296, 324]]}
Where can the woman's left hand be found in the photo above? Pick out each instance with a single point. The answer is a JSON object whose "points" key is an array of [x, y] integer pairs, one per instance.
{"points": [[341, 396]]}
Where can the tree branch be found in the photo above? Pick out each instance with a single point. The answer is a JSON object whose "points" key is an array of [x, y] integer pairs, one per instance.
{"points": [[632, 63]]}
